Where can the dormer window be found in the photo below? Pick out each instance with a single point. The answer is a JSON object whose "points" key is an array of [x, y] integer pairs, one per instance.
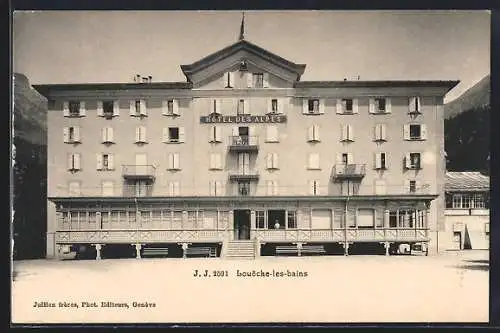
{"points": [[380, 105], [258, 80], [274, 106], [313, 105], [347, 104], [74, 109]]}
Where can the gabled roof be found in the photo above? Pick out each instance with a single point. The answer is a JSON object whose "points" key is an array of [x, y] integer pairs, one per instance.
{"points": [[467, 181], [188, 70]]}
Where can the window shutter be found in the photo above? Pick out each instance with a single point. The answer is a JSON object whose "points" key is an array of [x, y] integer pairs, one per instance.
{"points": [[355, 105], [171, 189], [275, 187], [143, 136], [383, 131], [344, 133], [419, 108], [269, 160], [170, 161], [423, 132], [350, 133], [339, 105], [388, 105], [70, 162], [66, 109], [407, 161], [281, 105], [418, 186], [144, 111], [265, 82], [211, 187], [218, 134], [305, 106], [371, 106], [218, 105], [339, 159], [406, 132], [322, 106], [212, 161], [318, 191], [310, 133], [269, 105], [100, 111], [378, 161], [182, 134], [175, 107], [132, 108], [411, 104], [246, 106], [66, 134], [164, 108], [231, 79], [211, 134], [111, 162], [350, 158], [116, 108], [110, 134], [376, 132], [218, 187], [138, 134], [82, 108], [76, 133], [275, 160], [177, 164], [235, 131], [218, 159], [249, 80], [99, 161], [312, 187], [316, 132], [165, 134], [77, 162]]}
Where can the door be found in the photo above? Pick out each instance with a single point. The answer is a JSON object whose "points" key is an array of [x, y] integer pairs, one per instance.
{"points": [[141, 161], [321, 219], [241, 224], [457, 240], [244, 163]]}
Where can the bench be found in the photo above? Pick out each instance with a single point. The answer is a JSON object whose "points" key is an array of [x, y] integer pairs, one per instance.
{"points": [[201, 251], [286, 249], [306, 249], [155, 251]]}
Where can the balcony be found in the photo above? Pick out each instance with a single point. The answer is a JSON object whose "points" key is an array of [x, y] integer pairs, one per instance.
{"points": [[247, 175], [243, 143], [134, 172], [348, 171]]}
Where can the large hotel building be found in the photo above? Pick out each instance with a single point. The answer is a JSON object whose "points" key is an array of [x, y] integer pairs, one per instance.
{"points": [[245, 159]]}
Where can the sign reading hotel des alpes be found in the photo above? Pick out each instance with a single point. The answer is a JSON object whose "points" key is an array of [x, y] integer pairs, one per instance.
{"points": [[243, 119]]}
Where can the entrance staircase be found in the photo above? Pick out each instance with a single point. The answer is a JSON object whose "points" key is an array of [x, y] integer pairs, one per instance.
{"points": [[240, 249]]}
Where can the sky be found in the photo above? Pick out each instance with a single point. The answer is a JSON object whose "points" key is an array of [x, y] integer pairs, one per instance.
{"points": [[52, 47]]}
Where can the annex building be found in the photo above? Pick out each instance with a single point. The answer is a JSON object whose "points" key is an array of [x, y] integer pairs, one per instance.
{"points": [[244, 159]]}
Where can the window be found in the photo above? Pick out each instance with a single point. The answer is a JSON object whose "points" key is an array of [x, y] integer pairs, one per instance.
{"points": [[170, 107], [487, 228], [313, 106], [314, 187], [272, 161], [393, 219], [313, 134], [137, 107], [215, 134], [313, 161], [74, 188], [415, 105], [71, 134], [173, 161], [380, 161], [292, 219], [215, 161], [380, 105], [108, 108], [347, 105], [139, 188], [274, 105], [479, 201], [105, 162], [260, 221], [413, 161], [413, 186], [380, 132], [244, 188], [74, 109], [215, 188], [272, 133], [174, 188], [345, 158], [229, 78], [174, 135], [74, 162], [140, 134], [457, 201], [107, 135], [216, 106], [415, 132], [347, 133], [241, 107], [258, 80]]}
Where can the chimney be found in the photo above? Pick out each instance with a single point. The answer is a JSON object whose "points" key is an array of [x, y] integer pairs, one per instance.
{"points": [[137, 78], [150, 78], [144, 79]]}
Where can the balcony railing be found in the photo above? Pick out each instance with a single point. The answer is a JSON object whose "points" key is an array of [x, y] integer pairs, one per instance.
{"points": [[348, 171], [138, 172], [244, 175], [243, 143]]}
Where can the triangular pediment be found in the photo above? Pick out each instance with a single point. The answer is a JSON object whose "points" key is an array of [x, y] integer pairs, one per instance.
{"points": [[231, 58]]}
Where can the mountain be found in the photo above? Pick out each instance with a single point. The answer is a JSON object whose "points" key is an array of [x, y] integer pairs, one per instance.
{"points": [[475, 97]]}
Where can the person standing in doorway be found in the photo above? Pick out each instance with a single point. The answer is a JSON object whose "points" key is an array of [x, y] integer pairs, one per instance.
{"points": [[276, 224]]}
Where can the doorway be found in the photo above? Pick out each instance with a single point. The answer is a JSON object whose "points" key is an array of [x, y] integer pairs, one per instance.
{"points": [[242, 224], [457, 240]]}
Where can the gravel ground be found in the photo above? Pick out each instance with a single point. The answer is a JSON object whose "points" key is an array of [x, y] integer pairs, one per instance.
{"points": [[452, 287]]}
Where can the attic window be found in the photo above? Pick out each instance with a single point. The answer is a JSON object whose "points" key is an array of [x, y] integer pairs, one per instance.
{"points": [[258, 80]]}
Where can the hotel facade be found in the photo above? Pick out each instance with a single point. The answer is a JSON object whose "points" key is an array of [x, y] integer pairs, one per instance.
{"points": [[244, 159]]}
